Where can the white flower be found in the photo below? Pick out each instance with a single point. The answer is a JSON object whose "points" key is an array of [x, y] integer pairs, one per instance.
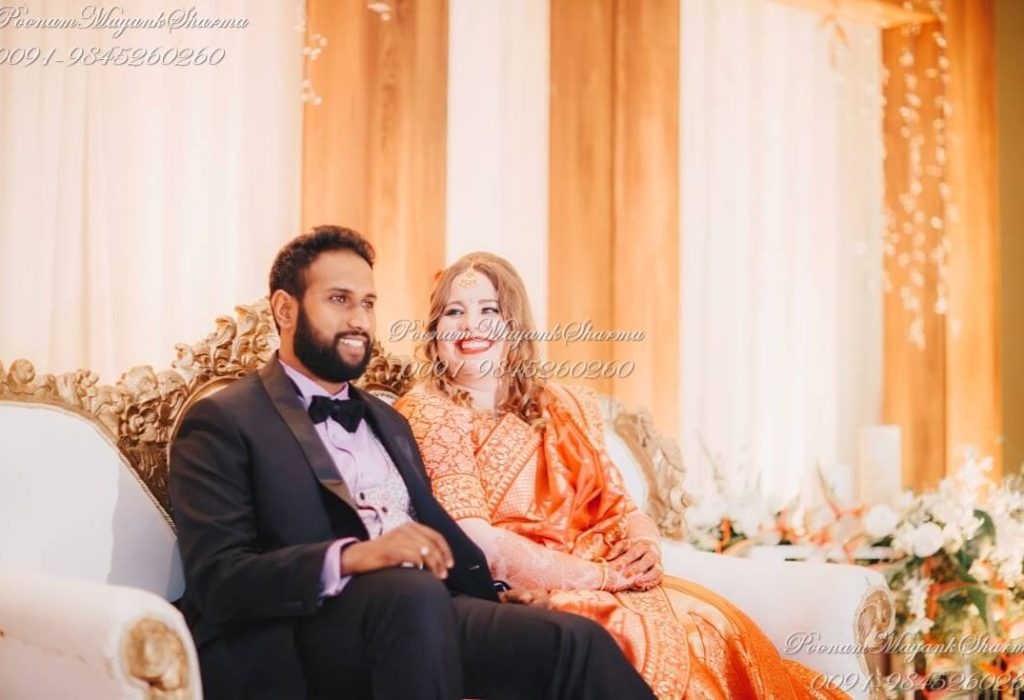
{"points": [[880, 522], [917, 596], [917, 605], [971, 526], [750, 515], [904, 502], [956, 513], [1006, 502], [820, 519], [945, 510], [918, 626], [708, 512], [903, 538], [1009, 569], [927, 539], [952, 537], [974, 472], [980, 571], [1008, 553]]}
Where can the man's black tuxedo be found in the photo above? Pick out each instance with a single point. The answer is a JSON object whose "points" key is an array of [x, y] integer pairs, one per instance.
{"points": [[254, 519], [257, 502]]}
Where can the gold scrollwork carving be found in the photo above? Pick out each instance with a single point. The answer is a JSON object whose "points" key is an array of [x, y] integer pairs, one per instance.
{"points": [[388, 373], [662, 464], [874, 622]]}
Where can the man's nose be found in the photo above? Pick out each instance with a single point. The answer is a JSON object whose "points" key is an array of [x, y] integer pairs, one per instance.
{"points": [[360, 319]]}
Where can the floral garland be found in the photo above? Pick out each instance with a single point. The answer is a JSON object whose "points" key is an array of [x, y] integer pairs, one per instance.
{"points": [[953, 557]]}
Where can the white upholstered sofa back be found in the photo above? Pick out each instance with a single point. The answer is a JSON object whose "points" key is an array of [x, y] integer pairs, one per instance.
{"points": [[70, 506]]}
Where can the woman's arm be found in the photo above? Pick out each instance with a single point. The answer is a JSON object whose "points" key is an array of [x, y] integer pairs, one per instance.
{"points": [[444, 435], [641, 560], [641, 527], [522, 563], [639, 557]]}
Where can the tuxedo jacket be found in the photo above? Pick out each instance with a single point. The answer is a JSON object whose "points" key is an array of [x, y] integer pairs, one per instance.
{"points": [[257, 500]]}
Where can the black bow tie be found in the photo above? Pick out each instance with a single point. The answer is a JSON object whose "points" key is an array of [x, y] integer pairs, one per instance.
{"points": [[347, 413]]}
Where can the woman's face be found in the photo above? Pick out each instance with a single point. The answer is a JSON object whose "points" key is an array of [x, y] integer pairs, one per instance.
{"points": [[470, 329]]}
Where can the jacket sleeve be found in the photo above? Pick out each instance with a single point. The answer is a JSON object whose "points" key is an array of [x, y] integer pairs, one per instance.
{"points": [[227, 574]]}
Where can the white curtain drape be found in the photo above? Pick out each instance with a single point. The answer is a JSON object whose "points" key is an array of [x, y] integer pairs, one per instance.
{"points": [[781, 216], [498, 56], [138, 203]]}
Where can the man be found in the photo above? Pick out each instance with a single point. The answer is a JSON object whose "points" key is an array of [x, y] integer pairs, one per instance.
{"points": [[317, 562]]}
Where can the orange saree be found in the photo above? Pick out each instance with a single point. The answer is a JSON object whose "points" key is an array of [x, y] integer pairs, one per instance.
{"points": [[557, 488]]}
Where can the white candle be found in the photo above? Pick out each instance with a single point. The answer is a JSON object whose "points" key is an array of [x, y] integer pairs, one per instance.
{"points": [[879, 473]]}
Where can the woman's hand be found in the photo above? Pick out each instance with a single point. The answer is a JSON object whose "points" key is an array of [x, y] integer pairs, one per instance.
{"points": [[615, 581], [640, 556], [649, 580], [639, 564]]}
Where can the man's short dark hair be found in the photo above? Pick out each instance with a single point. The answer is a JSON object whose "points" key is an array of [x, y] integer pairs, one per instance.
{"points": [[294, 259]]}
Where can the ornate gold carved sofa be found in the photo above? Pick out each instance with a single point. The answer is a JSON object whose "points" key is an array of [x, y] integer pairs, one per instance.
{"points": [[88, 557]]}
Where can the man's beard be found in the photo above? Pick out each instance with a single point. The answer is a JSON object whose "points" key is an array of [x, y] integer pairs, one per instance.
{"points": [[322, 358]]}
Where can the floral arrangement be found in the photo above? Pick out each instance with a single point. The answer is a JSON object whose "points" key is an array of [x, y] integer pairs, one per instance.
{"points": [[953, 557]]}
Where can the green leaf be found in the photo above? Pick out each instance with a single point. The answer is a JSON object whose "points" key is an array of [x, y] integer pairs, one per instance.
{"points": [[980, 600], [988, 528], [978, 596], [962, 561]]}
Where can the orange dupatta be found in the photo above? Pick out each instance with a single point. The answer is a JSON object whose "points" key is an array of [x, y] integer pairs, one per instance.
{"points": [[580, 502]]}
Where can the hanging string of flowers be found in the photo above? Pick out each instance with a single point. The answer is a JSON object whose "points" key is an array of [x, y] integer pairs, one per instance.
{"points": [[916, 238]]}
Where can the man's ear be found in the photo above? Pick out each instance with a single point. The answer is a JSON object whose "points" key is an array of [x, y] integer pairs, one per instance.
{"points": [[285, 308]]}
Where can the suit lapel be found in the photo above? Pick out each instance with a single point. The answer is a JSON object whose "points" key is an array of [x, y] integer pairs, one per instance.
{"points": [[289, 405], [470, 574], [398, 447]]}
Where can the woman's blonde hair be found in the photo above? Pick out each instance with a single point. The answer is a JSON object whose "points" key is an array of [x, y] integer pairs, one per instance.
{"points": [[518, 392]]}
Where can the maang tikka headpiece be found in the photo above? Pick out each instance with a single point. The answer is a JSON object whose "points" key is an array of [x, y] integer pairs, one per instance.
{"points": [[468, 278]]}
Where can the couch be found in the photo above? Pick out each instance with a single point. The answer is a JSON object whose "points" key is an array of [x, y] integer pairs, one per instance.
{"points": [[89, 560]]}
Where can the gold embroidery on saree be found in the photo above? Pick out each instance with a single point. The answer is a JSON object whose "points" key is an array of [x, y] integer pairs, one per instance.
{"points": [[665, 666]]}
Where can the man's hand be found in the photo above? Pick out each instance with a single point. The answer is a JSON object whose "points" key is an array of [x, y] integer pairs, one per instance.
{"points": [[410, 544], [526, 596]]}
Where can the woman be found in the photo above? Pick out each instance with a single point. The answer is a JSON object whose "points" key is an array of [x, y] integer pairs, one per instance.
{"points": [[521, 465]]}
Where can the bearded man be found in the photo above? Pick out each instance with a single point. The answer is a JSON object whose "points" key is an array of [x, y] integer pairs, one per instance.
{"points": [[317, 562]]}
